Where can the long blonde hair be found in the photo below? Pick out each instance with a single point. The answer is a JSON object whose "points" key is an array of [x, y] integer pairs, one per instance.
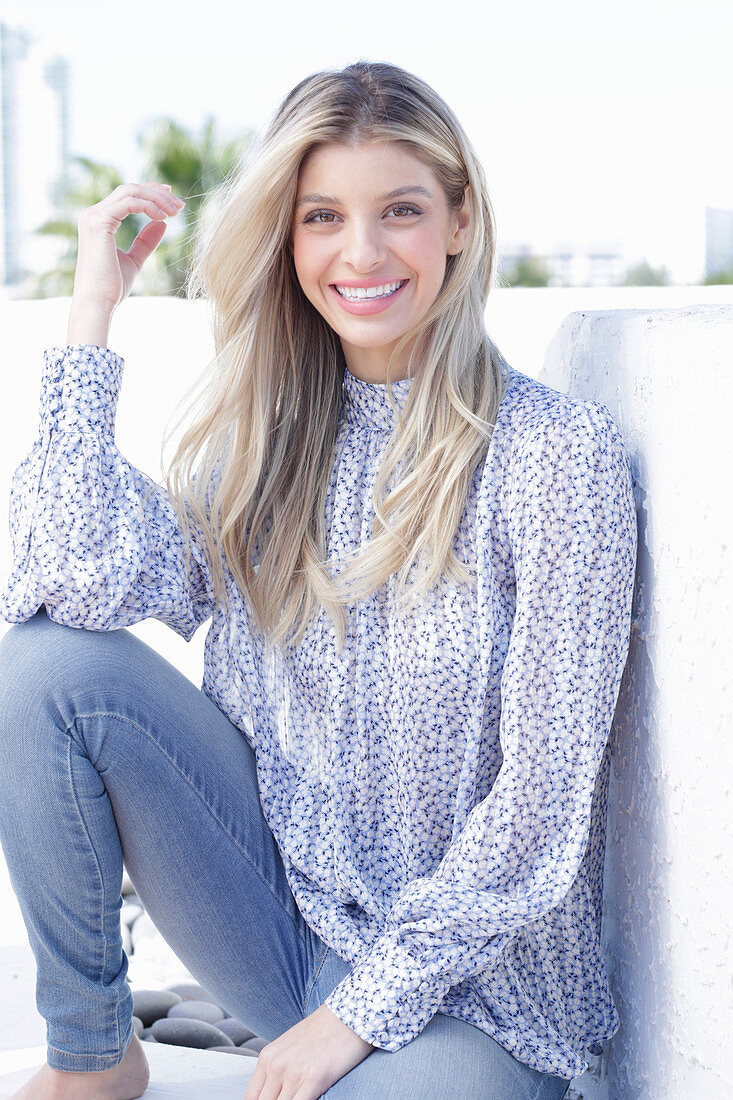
{"points": [[266, 426]]}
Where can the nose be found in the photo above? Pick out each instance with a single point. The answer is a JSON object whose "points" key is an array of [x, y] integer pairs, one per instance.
{"points": [[362, 246]]}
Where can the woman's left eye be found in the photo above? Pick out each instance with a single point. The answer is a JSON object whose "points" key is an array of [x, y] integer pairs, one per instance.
{"points": [[403, 209]]}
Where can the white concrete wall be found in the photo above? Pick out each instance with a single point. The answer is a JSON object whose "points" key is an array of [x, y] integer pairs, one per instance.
{"points": [[667, 377], [666, 374]]}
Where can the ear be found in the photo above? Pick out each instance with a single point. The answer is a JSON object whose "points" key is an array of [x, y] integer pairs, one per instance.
{"points": [[461, 222]]}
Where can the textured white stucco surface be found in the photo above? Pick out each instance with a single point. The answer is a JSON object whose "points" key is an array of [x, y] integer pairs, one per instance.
{"points": [[667, 377]]}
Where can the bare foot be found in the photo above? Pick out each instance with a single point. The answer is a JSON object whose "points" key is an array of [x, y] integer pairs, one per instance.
{"points": [[125, 1081]]}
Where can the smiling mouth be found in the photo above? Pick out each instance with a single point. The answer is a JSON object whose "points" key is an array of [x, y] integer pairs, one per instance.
{"points": [[361, 293]]}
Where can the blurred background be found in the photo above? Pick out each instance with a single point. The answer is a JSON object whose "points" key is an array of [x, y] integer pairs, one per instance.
{"points": [[602, 129]]}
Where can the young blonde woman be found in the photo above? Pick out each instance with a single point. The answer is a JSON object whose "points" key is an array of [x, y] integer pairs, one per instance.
{"points": [[377, 832]]}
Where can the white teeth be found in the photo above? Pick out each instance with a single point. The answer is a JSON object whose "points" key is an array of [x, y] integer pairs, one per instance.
{"points": [[356, 292]]}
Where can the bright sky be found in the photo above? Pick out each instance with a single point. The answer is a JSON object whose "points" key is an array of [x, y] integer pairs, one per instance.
{"points": [[596, 124]]}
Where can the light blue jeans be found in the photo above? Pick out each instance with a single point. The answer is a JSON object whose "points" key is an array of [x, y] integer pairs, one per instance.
{"points": [[107, 751]]}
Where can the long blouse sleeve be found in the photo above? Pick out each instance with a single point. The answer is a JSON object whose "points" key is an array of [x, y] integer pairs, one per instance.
{"points": [[572, 530], [93, 538]]}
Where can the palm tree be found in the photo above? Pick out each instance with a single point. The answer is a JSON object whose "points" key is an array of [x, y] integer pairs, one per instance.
{"points": [[89, 182], [194, 165]]}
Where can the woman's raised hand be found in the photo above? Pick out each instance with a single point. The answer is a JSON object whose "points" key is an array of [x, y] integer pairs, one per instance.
{"points": [[104, 273]]}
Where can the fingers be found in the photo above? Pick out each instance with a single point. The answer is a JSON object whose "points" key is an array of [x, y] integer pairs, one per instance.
{"points": [[104, 274], [153, 199], [146, 242], [256, 1083]]}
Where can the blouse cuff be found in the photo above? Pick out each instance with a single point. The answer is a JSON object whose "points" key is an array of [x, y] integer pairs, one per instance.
{"points": [[80, 385], [386, 998]]}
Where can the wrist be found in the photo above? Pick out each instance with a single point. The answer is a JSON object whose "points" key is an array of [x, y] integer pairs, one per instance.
{"points": [[89, 323]]}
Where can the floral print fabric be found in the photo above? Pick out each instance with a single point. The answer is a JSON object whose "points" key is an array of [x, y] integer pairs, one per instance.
{"points": [[437, 790]]}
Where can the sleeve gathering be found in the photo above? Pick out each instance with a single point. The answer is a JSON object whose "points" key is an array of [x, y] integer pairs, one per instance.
{"points": [[573, 536], [93, 538]]}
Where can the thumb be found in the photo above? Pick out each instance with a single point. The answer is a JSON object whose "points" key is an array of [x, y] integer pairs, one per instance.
{"points": [[146, 242]]}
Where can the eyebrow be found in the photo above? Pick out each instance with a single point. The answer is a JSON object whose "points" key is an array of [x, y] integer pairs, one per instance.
{"points": [[412, 190]]}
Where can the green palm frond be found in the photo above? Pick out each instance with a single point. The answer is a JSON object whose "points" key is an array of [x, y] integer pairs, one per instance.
{"points": [[192, 163]]}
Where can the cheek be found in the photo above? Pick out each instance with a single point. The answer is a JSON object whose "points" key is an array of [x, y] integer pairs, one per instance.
{"points": [[309, 261], [299, 262], [427, 256]]}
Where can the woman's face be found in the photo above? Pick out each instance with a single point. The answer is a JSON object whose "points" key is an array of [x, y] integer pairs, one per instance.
{"points": [[371, 234]]}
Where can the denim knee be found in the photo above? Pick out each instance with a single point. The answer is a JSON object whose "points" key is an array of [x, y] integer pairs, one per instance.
{"points": [[41, 664], [26, 655]]}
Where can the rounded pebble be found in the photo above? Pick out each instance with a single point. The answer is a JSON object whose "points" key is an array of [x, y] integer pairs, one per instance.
{"points": [[236, 1030], [192, 991], [236, 1050], [151, 1004], [190, 1033], [130, 911], [183, 1014], [254, 1044], [143, 929], [196, 1010]]}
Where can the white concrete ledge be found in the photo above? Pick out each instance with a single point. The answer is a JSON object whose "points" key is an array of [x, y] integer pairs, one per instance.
{"points": [[176, 1073]]}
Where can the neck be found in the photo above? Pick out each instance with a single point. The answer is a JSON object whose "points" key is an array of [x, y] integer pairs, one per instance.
{"points": [[370, 364]]}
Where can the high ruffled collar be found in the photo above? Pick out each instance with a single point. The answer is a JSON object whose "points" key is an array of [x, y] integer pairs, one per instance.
{"points": [[366, 404]]}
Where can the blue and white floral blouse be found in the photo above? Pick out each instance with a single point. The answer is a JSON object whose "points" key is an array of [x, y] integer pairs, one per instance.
{"points": [[438, 791]]}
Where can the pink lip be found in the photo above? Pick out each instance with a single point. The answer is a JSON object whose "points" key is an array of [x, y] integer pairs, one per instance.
{"points": [[366, 306]]}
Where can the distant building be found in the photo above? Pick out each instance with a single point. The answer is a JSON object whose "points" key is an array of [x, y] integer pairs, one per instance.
{"points": [[718, 240], [568, 264], [34, 153]]}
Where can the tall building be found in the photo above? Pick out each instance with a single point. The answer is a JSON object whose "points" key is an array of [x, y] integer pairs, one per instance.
{"points": [[34, 153], [718, 240]]}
